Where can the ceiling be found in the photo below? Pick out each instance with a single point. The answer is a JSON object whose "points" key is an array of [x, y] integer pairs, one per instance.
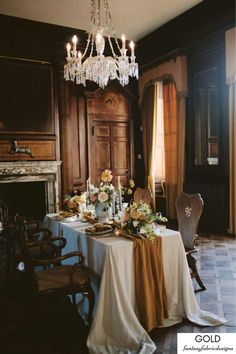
{"points": [[134, 18]]}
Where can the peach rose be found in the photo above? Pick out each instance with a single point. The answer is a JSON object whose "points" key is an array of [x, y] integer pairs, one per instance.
{"points": [[135, 214], [102, 197]]}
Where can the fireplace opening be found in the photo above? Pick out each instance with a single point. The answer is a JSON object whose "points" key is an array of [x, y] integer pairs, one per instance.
{"points": [[26, 198]]}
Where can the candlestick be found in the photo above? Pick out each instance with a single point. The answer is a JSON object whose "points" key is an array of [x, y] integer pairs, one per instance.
{"points": [[113, 203], [119, 193], [118, 180], [88, 191]]}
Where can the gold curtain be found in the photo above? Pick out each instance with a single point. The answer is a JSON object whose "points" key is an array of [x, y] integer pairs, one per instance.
{"points": [[148, 109], [230, 37], [170, 138]]}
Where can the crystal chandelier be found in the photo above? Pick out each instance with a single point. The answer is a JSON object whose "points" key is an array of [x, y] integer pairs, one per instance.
{"points": [[94, 65]]}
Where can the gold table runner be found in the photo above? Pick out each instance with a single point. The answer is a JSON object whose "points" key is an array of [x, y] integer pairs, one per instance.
{"points": [[150, 283]]}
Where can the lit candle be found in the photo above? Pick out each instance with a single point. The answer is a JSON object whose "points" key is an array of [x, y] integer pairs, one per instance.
{"points": [[132, 48], [98, 38], [123, 41], [68, 48], [88, 191], [74, 41], [89, 184], [118, 179]]}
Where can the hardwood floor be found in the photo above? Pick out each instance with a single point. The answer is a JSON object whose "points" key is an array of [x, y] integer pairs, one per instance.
{"points": [[216, 261]]}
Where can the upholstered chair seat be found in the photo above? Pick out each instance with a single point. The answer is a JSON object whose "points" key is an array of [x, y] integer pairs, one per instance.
{"points": [[59, 278]]}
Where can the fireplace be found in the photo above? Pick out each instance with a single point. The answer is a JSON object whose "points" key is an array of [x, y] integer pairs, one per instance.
{"points": [[30, 188]]}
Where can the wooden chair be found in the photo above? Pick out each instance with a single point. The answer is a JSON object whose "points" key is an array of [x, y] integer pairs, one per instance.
{"points": [[189, 209], [142, 195], [57, 278], [3, 220], [34, 234], [7, 236]]}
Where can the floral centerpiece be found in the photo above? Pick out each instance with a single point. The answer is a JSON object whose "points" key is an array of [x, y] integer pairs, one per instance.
{"points": [[102, 196], [74, 203], [139, 220]]}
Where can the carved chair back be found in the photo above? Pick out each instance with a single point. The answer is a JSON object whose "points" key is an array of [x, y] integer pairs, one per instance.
{"points": [[4, 219], [189, 209], [143, 195], [22, 238]]}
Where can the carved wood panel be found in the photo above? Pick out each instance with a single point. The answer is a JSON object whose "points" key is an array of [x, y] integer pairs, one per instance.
{"points": [[40, 150], [26, 104], [73, 138], [109, 151]]}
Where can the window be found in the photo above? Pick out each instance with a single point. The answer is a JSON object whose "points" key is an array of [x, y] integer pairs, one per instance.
{"points": [[158, 157]]}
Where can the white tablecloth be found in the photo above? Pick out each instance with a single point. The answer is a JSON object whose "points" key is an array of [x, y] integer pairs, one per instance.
{"points": [[116, 328]]}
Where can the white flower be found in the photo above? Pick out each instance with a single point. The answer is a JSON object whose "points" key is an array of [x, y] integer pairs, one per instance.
{"points": [[103, 197], [135, 223], [131, 183], [83, 197]]}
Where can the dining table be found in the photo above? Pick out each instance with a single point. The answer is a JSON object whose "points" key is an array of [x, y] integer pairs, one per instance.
{"points": [[116, 327]]}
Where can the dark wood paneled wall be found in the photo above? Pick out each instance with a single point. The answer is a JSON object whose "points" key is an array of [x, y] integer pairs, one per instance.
{"points": [[199, 33], [196, 23], [37, 107]]}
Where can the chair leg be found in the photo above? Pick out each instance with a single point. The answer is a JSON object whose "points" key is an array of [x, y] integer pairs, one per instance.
{"points": [[74, 299], [91, 299], [192, 265]]}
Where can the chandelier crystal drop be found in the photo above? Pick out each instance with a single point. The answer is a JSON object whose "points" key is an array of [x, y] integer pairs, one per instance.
{"points": [[92, 64]]}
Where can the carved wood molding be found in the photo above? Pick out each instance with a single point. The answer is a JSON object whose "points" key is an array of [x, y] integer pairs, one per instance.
{"points": [[31, 168]]}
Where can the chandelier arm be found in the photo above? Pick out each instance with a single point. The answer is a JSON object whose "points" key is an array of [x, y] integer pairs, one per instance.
{"points": [[112, 48], [98, 14], [87, 45], [109, 23], [92, 46], [92, 27]]}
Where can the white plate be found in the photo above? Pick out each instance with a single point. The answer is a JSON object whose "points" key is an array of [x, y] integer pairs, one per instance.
{"points": [[71, 218], [104, 232]]}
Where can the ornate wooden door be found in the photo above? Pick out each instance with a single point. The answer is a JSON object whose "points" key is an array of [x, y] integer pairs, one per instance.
{"points": [[110, 142], [110, 149]]}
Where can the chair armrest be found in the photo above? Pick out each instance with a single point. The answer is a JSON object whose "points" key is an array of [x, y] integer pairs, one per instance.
{"points": [[56, 260], [45, 242], [73, 271], [190, 251], [46, 233]]}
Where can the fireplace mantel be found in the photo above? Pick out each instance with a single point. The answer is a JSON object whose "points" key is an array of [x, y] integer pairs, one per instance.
{"points": [[33, 171]]}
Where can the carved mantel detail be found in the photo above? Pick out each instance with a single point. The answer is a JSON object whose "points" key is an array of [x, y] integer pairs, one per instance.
{"points": [[33, 171]]}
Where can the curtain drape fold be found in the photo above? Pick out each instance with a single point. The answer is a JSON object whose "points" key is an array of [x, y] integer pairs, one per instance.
{"points": [[148, 110], [170, 139], [174, 128]]}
